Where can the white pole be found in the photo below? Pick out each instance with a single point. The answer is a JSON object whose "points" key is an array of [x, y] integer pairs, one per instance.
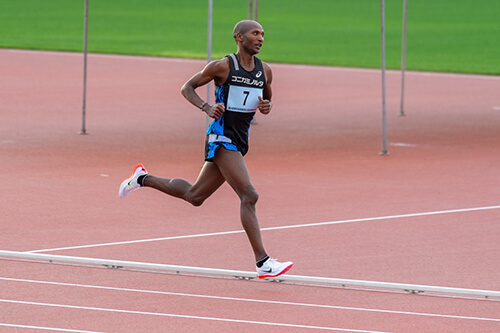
{"points": [[384, 127], [245, 275], [253, 10], [209, 50], [85, 32], [403, 58]]}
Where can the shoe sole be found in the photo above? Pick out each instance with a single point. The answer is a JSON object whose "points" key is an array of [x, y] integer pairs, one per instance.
{"points": [[280, 273]]}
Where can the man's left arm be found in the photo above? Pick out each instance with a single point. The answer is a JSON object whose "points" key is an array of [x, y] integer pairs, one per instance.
{"points": [[265, 104]]}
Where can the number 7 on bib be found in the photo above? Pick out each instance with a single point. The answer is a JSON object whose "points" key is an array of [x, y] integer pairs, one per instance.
{"points": [[243, 99]]}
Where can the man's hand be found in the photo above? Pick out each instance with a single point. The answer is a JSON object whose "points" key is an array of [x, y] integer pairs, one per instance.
{"points": [[214, 111], [265, 105]]}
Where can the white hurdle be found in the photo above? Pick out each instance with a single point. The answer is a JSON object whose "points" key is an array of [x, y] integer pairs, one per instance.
{"points": [[411, 288]]}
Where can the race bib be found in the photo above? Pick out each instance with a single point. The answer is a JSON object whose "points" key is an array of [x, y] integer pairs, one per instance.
{"points": [[243, 99]]}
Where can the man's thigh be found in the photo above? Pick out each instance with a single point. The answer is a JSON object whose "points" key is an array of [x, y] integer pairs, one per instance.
{"points": [[208, 181], [233, 168]]}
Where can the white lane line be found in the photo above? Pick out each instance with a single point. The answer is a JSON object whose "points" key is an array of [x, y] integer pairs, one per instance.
{"points": [[286, 66], [389, 71], [251, 300], [270, 228], [107, 56], [172, 315], [40, 328]]}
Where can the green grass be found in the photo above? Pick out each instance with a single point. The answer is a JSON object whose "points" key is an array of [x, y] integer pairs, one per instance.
{"points": [[443, 35]]}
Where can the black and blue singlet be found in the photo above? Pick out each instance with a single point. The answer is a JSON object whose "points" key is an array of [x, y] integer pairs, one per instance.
{"points": [[240, 95]]}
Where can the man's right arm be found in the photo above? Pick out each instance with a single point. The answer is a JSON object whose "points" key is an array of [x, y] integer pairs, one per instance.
{"points": [[216, 70]]}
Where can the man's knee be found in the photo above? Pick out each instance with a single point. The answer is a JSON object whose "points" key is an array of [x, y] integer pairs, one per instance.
{"points": [[197, 202], [250, 196], [194, 199]]}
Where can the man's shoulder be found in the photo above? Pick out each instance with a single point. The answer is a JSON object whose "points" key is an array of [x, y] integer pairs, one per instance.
{"points": [[264, 64], [219, 70], [267, 69], [220, 63]]}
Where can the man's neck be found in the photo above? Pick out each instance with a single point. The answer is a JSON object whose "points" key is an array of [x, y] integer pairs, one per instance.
{"points": [[246, 60]]}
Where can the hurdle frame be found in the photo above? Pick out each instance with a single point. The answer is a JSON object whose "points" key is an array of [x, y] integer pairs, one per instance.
{"points": [[118, 264]]}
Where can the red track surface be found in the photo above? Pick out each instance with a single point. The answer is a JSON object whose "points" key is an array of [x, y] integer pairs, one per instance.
{"points": [[313, 159]]}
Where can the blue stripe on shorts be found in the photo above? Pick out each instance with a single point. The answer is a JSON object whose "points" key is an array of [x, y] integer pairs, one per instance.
{"points": [[212, 147]]}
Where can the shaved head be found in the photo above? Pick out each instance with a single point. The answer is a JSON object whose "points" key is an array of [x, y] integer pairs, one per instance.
{"points": [[245, 26]]}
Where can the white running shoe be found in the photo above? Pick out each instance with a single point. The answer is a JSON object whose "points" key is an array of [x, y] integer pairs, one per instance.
{"points": [[273, 268], [130, 184]]}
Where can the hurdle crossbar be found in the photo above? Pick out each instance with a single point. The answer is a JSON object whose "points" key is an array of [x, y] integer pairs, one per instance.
{"points": [[411, 288]]}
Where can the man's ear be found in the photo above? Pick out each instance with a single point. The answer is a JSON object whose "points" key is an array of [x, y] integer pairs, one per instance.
{"points": [[239, 37]]}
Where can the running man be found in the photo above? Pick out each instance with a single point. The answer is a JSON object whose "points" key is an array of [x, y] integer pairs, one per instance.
{"points": [[242, 86]]}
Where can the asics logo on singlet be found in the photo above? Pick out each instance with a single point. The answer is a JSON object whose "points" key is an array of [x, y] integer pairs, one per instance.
{"points": [[259, 73], [245, 80]]}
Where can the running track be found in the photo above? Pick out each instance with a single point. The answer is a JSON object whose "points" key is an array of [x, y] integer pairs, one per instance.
{"points": [[426, 214]]}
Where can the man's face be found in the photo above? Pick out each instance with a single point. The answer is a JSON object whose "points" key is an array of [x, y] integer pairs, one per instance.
{"points": [[253, 39]]}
